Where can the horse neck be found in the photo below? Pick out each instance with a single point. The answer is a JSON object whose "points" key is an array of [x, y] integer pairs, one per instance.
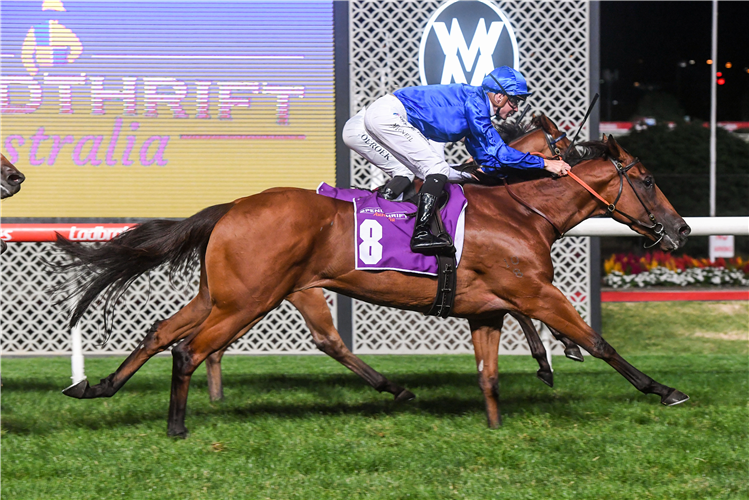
{"points": [[532, 142], [565, 201]]}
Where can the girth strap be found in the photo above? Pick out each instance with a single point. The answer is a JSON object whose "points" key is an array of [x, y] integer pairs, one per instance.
{"points": [[447, 270], [446, 281]]}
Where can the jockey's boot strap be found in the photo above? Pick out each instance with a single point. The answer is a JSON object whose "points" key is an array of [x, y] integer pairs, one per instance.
{"points": [[424, 240], [395, 187]]}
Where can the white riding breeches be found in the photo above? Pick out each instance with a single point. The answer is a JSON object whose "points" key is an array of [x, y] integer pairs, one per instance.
{"points": [[387, 122], [355, 136], [405, 151]]}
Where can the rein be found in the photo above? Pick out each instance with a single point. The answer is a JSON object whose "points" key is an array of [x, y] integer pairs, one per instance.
{"points": [[532, 209], [657, 227]]}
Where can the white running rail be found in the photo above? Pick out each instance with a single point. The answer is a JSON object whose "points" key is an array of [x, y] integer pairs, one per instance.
{"points": [[701, 226]]}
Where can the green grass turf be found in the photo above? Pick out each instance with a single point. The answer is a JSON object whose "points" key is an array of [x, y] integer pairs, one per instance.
{"points": [[295, 427]]}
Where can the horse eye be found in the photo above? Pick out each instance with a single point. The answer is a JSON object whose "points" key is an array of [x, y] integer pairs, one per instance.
{"points": [[648, 182]]}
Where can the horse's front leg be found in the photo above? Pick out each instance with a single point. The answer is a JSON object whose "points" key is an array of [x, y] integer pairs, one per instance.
{"points": [[485, 338], [553, 308]]}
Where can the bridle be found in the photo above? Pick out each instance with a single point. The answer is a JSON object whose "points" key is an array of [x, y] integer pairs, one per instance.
{"points": [[657, 228], [552, 143]]}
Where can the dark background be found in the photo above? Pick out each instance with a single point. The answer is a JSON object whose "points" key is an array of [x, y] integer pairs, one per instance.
{"points": [[642, 46], [644, 42]]}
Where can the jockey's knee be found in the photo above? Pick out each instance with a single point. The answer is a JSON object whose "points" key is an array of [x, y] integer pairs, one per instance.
{"points": [[353, 129]]}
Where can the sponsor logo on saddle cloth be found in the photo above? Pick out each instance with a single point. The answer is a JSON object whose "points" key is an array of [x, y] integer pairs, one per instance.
{"points": [[382, 229]]}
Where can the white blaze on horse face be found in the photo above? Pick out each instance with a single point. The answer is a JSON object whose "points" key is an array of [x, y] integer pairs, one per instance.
{"points": [[481, 366]]}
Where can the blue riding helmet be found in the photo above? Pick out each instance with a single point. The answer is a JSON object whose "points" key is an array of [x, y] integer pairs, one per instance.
{"points": [[506, 80]]}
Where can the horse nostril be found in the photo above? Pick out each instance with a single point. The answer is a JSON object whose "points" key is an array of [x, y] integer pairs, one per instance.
{"points": [[15, 179], [685, 230]]}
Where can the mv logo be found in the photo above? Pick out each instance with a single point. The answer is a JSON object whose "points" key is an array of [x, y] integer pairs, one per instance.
{"points": [[465, 40]]}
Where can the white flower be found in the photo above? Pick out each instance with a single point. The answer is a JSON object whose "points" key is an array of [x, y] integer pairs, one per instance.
{"points": [[665, 276]]}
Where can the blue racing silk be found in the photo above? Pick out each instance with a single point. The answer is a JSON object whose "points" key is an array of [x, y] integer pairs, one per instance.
{"points": [[447, 113]]}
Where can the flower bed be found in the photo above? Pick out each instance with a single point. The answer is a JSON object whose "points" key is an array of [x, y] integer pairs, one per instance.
{"points": [[662, 269]]}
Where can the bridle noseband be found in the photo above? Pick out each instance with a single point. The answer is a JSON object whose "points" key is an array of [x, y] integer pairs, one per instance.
{"points": [[657, 228]]}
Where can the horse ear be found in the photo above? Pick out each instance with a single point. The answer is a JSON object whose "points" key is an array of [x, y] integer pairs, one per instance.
{"points": [[612, 147]]}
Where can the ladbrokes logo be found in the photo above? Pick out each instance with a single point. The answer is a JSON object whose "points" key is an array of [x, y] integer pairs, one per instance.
{"points": [[463, 41]]}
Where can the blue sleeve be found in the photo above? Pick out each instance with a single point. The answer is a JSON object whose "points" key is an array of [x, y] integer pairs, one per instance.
{"points": [[487, 147]]}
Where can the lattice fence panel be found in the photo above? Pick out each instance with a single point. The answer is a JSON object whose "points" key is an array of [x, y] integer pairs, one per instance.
{"points": [[554, 53], [381, 330], [33, 322]]}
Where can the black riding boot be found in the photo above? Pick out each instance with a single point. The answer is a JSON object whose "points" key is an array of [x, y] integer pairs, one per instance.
{"points": [[423, 241], [395, 187]]}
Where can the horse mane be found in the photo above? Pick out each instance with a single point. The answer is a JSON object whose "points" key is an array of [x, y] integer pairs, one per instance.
{"points": [[509, 131], [587, 150]]}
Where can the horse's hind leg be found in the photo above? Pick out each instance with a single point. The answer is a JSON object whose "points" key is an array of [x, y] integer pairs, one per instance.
{"points": [[219, 330], [213, 371], [161, 335], [538, 351], [571, 350], [486, 349], [314, 308]]}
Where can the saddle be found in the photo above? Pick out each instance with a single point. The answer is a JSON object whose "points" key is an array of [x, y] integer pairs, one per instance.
{"points": [[446, 262]]}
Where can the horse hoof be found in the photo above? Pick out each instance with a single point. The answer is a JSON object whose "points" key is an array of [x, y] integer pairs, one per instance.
{"points": [[574, 354], [674, 398], [495, 425], [546, 377], [405, 395], [178, 434], [76, 390]]}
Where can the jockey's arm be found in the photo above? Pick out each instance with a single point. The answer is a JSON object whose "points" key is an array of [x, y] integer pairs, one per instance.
{"points": [[486, 145]]}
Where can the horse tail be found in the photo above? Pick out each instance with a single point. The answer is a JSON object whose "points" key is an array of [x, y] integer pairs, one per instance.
{"points": [[115, 265]]}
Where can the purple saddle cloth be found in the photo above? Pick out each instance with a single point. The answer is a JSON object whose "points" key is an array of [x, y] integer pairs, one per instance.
{"points": [[383, 230]]}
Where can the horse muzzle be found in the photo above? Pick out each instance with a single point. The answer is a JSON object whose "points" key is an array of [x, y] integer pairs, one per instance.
{"points": [[11, 184], [675, 236]]}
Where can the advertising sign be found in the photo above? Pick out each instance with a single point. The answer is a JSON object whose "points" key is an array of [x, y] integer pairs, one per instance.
{"points": [[721, 246], [161, 108], [465, 40]]}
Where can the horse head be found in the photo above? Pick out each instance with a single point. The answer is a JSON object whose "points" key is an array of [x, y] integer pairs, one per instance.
{"points": [[540, 135], [11, 180], [636, 201], [557, 141]]}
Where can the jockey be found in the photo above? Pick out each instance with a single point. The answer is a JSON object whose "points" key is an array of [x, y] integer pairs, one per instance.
{"points": [[406, 131]]}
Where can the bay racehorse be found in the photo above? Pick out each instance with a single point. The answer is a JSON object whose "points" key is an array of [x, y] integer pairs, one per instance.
{"points": [[258, 250], [540, 135], [10, 183]]}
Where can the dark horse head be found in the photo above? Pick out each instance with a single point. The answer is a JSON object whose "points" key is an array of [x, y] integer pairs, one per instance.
{"points": [[11, 180], [638, 201]]}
